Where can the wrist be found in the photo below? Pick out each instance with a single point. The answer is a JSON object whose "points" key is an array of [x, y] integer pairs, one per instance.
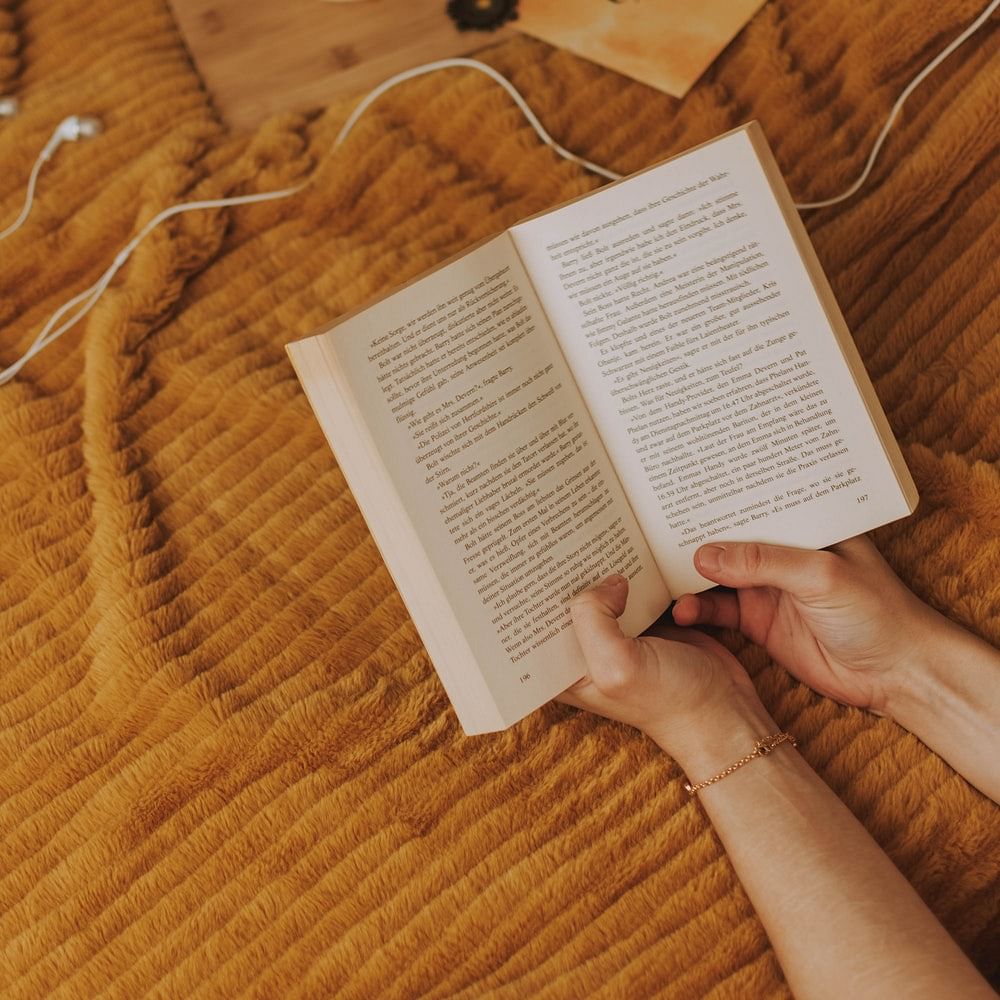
{"points": [[952, 704], [705, 744], [947, 673]]}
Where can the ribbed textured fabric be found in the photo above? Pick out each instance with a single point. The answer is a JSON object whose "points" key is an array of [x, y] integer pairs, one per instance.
{"points": [[226, 765]]}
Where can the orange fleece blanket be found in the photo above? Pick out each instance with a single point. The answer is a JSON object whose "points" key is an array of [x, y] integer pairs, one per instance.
{"points": [[227, 765]]}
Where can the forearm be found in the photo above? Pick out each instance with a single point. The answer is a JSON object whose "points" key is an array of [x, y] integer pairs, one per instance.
{"points": [[950, 700], [841, 917]]}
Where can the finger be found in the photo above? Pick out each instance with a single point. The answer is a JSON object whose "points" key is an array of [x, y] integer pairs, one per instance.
{"points": [[595, 620], [802, 572], [681, 636], [714, 607]]}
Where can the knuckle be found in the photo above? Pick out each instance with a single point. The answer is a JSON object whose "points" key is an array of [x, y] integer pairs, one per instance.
{"points": [[615, 675], [828, 571], [753, 558], [613, 679]]}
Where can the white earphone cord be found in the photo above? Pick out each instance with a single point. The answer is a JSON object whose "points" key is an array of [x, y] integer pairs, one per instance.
{"points": [[87, 299], [29, 197]]}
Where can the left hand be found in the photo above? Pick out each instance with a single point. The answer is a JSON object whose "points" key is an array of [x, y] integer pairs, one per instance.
{"points": [[679, 686]]}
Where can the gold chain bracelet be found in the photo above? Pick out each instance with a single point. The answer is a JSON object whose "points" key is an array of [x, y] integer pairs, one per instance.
{"points": [[760, 749]]}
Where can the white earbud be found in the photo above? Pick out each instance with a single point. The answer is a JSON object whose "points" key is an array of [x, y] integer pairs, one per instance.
{"points": [[70, 130], [8, 107]]}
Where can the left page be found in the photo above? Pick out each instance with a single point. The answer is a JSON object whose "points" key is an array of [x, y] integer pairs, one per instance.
{"points": [[475, 462]]}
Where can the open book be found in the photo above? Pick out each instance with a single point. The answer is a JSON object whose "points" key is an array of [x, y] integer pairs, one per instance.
{"points": [[601, 389]]}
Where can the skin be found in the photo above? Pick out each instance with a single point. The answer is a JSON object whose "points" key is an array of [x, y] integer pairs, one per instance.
{"points": [[841, 917]]}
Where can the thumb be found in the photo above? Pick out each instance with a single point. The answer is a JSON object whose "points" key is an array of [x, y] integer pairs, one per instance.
{"points": [[606, 649], [802, 572]]}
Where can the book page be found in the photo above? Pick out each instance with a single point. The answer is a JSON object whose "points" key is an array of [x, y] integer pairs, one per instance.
{"points": [[709, 362], [487, 450]]}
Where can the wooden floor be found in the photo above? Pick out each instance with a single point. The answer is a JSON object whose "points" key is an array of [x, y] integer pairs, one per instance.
{"points": [[258, 57]]}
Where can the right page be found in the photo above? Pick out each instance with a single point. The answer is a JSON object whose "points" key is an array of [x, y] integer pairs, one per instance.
{"points": [[717, 367]]}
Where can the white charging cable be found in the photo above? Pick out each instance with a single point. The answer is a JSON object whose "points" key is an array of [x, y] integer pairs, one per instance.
{"points": [[897, 107], [83, 302], [493, 75]]}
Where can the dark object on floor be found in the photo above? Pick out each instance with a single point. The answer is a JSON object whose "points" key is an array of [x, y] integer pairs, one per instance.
{"points": [[481, 15]]}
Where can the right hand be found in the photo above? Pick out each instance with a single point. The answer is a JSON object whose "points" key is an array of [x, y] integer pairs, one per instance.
{"points": [[840, 620]]}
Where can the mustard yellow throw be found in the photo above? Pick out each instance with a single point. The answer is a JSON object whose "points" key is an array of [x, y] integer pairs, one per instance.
{"points": [[226, 765]]}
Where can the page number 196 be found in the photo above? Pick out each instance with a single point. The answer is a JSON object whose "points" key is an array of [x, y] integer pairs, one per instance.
{"points": [[524, 677]]}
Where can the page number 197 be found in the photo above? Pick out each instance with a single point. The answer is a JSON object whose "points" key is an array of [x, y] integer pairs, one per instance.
{"points": [[862, 498]]}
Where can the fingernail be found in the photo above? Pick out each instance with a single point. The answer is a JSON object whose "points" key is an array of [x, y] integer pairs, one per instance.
{"points": [[615, 580], [710, 557]]}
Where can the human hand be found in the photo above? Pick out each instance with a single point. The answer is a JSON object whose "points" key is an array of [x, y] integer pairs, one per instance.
{"points": [[840, 620], [682, 688]]}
